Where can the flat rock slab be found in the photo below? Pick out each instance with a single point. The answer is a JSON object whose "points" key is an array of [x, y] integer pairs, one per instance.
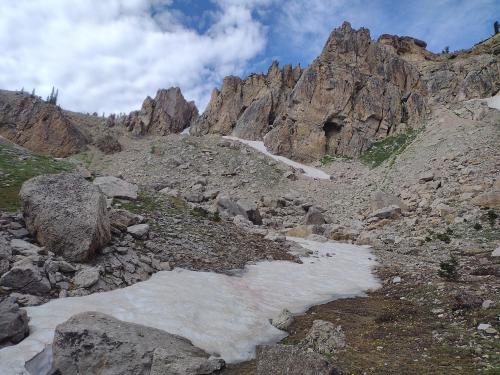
{"points": [[114, 187], [96, 343]]}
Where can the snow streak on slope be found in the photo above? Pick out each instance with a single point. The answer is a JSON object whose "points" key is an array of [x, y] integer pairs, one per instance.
{"points": [[308, 171], [493, 102], [221, 314]]}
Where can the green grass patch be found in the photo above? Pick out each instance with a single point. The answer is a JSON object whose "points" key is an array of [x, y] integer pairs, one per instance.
{"points": [[328, 159], [388, 148], [17, 167]]}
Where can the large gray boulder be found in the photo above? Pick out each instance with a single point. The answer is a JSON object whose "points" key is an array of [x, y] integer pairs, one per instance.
{"points": [[381, 199], [95, 343], [114, 187], [26, 277], [66, 214], [314, 217], [13, 322], [292, 360], [230, 207]]}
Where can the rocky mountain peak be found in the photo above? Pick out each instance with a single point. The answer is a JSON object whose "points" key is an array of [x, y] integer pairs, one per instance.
{"points": [[167, 113]]}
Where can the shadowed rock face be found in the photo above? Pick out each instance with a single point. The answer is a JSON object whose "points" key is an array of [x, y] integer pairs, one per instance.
{"points": [[38, 126], [247, 108], [167, 113]]}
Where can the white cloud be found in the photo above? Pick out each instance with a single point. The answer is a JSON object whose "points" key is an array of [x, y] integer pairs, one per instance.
{"points": [[108, 55]]}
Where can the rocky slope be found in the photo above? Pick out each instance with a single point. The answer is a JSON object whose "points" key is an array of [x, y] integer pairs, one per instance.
{"points": [[39, 126]]}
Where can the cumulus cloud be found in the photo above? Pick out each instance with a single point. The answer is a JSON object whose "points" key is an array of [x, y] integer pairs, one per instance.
{"points": [[108, 55]]}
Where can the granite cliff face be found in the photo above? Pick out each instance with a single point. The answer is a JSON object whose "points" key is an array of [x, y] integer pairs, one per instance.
{"points": [[248, 107], [39, 126], [167, 113], [356, 92]]}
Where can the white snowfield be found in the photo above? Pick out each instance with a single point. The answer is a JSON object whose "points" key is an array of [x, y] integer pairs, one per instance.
{"points": [[308, 170], [186, 131], [494, 101], [228, 315]]}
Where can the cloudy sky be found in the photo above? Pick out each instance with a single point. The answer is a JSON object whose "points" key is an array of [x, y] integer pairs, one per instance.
{"points": [[108, 55]]}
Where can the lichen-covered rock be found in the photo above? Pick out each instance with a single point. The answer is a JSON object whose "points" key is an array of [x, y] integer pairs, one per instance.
{"points": [[95, 343], [66, 214], [292, 360], [324, 337]]}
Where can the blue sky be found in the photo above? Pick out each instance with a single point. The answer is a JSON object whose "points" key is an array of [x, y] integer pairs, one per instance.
{"points": [[107, 56], [458, 24]]}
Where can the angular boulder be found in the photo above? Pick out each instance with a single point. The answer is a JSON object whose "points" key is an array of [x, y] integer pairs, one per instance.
{"points": [[66, 214], [114, 187], [26, 277], [13, 322], [95, 343], [292, 360], [324, 337], [314, 217], [230, 207], [381, 199]]}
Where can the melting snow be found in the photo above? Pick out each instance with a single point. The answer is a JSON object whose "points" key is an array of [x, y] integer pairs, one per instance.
{"points": [[493, 102], [221, 314], [186, 131], [308, 171]]}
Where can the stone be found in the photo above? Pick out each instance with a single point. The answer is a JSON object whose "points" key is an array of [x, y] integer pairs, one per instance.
{"points": [[391, 212], [324, 337], [121, 219], [25, 277], [230, 207], [86, 277], [114, 187], [251, 211], [382, 199], [489, 199], [314, 217], [13, 322], [467, 300], [139, 231], [168, 361], [368, 238], [487, 303], [51, 202], [283, 320], [496, 253], [24, 248], [92, 342], [426, 177], [291, 360], [396, 280]]}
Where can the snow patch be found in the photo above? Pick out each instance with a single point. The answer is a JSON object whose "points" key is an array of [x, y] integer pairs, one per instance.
{"points": [[493, 102], [186, 131], [221, 314], [308, 170]]}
